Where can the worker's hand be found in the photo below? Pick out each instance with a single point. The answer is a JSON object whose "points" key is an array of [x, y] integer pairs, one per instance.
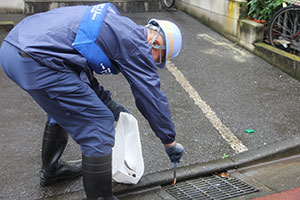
{"points": [[174, 151], [116, 108]]}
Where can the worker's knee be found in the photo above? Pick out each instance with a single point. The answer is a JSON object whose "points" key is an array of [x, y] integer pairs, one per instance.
{"points": [[98, 138], [96, 149]]}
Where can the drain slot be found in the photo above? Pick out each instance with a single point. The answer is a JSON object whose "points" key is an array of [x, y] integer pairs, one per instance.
{"points": [[213, 187]]}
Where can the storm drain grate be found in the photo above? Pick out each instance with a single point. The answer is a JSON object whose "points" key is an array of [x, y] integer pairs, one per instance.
{"points": [[212, 187]]}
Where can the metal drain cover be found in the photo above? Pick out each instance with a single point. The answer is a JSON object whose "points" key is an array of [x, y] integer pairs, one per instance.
{"points": [[212, 187]]}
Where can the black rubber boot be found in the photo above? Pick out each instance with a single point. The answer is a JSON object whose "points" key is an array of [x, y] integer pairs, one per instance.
{"points": [[54, 143], [97, 177]]}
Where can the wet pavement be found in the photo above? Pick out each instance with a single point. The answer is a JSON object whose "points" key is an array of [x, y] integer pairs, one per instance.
{"points": [[240, 91], [276, 180], [272, 179]]}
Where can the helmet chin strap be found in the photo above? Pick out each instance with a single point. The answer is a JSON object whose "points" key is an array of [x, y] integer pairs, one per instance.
{"points": [[158, 31], [172, 39], [158, 47]]}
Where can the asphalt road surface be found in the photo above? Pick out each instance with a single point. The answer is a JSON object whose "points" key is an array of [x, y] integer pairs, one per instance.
{"points": [[216, 91]]}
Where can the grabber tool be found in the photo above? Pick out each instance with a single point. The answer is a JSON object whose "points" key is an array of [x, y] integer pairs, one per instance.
{"points": [[174, 167]]}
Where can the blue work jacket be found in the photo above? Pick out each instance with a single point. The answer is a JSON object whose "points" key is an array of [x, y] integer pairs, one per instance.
{"points": [[48, 37]]}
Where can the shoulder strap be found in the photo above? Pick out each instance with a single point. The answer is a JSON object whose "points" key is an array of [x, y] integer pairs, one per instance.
{"points": [[86, 36]]}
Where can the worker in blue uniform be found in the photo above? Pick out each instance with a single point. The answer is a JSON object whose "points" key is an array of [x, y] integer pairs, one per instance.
{"points": [[53, 56]]}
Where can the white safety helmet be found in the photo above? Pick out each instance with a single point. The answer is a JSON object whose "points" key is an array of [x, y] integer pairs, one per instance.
{"points": [[172, 38]]}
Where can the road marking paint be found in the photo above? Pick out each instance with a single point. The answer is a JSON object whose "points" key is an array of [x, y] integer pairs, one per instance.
{"points": [[240, 56], [231, 139], [223, 44]]}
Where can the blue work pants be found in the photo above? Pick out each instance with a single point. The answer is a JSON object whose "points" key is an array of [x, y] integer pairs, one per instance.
{"points": [[66, 98]]}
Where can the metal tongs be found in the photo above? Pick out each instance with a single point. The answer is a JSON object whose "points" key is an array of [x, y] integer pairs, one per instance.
{"points": [[174, 167]]}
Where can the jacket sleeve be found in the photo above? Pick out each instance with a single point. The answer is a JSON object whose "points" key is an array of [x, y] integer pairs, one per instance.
{"points": [[139, 69]]}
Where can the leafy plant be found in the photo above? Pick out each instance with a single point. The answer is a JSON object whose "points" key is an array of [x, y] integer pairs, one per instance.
{"points": [[263, 9]]}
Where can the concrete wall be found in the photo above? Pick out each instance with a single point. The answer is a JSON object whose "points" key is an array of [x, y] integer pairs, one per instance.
{"points": [[34, 6], [125, 6], [11, 6], [227, 17], [219, 14]]}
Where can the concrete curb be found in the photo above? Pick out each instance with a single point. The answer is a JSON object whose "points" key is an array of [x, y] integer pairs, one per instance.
{"points": [[287, 62], [271, 152], [6, 26]]}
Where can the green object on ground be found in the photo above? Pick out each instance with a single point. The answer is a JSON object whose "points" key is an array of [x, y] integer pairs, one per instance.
{"points": [[249, 130], [225, 156]]}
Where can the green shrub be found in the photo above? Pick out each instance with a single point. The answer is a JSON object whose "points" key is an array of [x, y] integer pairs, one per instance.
{"points": [[263, 9]]}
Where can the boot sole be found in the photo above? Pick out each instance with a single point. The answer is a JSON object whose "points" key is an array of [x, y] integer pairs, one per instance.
{"points": [[44, 183]]}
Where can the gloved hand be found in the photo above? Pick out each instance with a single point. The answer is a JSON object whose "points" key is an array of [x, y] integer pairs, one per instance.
{"points": [[174, 152], [116, 108]]}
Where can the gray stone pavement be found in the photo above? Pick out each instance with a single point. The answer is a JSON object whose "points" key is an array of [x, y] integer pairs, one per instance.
{"points": [[243, 90], [270, 178]]}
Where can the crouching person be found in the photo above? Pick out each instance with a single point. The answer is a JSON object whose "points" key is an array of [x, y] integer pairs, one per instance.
{"points": [[53, 57]]}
